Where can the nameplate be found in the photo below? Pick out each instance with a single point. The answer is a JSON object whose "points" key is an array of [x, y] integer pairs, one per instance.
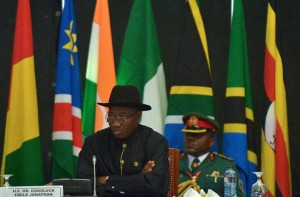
{"points": [[31, 191]]}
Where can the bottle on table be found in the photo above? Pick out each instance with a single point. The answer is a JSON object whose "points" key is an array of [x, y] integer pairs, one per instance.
{"points": [[230, 182]]}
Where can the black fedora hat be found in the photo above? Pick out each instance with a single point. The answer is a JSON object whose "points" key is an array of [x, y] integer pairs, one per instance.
{"points": [[126, 96]]}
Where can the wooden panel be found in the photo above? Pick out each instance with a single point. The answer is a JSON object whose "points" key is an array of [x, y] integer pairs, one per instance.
{"points": [[174, 157]]}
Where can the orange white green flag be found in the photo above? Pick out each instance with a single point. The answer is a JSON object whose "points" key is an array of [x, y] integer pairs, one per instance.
{"points": [[100, 74]]}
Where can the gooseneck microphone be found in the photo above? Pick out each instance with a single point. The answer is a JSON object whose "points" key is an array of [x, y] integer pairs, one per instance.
{"points": [[94, 165]]}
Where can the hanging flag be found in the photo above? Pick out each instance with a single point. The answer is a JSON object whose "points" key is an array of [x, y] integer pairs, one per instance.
{"points": [[141, 64], [275, 153], [22, 148], [239, 117], [100, 74], [67, 132], [192, 91]]}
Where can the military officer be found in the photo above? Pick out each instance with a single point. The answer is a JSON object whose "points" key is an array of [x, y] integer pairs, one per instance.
{"points": [[206, 169]]}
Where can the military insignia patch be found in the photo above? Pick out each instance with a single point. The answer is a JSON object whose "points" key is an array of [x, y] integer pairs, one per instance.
{"points": [[195, 165], [193, 120], [215, 174]]}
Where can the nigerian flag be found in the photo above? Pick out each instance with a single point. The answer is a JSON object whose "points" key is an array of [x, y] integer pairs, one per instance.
{"points": [[141, 64]]}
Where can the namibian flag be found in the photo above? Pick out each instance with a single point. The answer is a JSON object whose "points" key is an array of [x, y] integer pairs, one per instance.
{"points": [[67, 132]]}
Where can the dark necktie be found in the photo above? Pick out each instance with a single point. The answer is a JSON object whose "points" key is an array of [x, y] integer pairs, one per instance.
{"points": [[195, 164]]}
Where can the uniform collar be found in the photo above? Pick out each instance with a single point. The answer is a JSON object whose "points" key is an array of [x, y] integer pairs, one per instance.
{"points": [[201, 158]]}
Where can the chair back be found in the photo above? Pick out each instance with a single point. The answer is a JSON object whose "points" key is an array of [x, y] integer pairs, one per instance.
{"points": [[174, 159]]}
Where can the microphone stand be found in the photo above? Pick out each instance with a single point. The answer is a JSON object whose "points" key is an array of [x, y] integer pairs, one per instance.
{"points": [[94, 165]]}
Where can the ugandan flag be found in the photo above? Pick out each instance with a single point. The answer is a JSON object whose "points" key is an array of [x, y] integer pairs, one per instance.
{"points": [[238, 135], [275, 152], [22, 147], [192, 91], [100, 73]]}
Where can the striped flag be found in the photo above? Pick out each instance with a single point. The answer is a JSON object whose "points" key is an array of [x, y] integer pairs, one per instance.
{"points": [[239, 117], [67, 132], [100, 74], [275, 153], [22, 148], [193, 88], [141, 64]]}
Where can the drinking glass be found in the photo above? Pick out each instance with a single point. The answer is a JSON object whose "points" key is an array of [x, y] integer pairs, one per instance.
{"points": [[6, 179], [259, 189]]}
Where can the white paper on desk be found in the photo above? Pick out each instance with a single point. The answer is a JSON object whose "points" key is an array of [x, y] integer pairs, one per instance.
{"points": [[211, 193], [191, 193], [202, 192], [2, 192]]}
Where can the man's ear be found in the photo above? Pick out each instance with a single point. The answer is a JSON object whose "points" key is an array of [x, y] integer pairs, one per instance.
{"points": [[139, 115], [211, 142]]}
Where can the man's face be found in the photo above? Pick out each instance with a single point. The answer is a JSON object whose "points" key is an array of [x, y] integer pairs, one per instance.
{"points": [[123, 121], [197, 144]]}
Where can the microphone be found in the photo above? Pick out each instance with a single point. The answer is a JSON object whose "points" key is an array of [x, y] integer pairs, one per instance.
{"points": [[94, 165]]}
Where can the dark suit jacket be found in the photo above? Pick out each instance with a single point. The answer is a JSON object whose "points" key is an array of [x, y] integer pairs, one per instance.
{"points": [[127, 179]]}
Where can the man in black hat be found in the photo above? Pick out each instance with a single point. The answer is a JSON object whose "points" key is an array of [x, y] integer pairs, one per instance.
{"points": [[199, 168], [131, 159]]}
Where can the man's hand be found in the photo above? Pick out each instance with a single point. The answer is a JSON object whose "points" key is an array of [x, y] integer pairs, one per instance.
{"points": [[102, 179], [149, 166]]}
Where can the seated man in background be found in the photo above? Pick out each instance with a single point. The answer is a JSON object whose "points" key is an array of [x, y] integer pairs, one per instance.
{"points": [[206, 169], [131, 159]]}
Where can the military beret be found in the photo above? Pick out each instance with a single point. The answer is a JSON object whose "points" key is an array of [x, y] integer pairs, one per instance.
{"points": [[198, 123]]}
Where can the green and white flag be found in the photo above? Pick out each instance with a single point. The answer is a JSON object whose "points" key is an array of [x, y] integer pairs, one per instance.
{"points": [[141, 64]]}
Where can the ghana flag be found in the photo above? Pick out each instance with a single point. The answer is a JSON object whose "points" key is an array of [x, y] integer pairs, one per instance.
{"points": [[22, 148]]}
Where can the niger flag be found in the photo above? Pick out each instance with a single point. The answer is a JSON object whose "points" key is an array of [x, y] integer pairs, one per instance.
{"points": [[22, 148], [100, 74], [275, 153]]}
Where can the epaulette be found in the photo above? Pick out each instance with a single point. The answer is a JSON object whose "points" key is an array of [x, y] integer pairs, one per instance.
{"points": [[222, 156]]}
